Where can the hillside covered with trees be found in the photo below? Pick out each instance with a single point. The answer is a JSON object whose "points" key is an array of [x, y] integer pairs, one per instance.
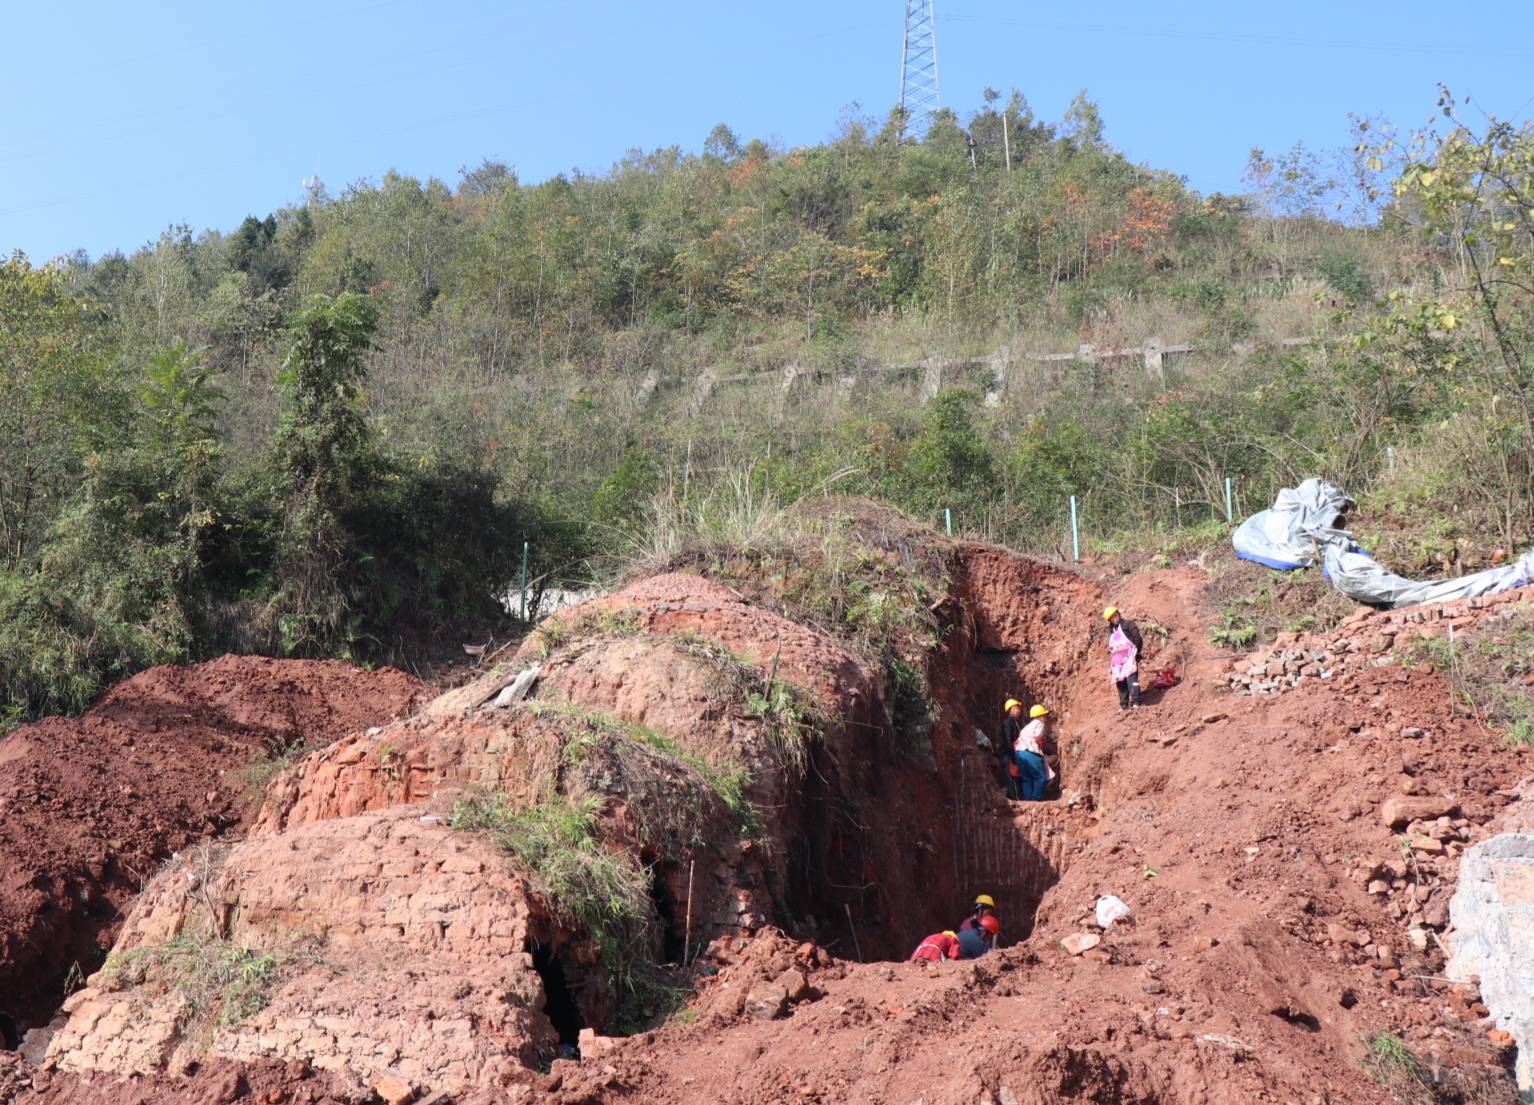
{"points": [[329, 430]]}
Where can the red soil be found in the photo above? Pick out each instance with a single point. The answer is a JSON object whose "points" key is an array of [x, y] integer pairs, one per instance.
{"points": [[216, 1083], [1274, 907], [1243, 833], [90, 806]]}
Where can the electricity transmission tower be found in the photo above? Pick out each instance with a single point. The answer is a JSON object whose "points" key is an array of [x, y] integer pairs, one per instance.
{"points": [[918, 65]]}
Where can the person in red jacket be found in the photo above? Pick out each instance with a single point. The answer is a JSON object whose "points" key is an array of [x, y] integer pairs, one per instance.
{"points": [[937, 947]]}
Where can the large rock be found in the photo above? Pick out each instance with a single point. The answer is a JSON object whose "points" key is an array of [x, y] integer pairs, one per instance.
{"points": [[1079, 943], [1492, 915], [1402, 810]]}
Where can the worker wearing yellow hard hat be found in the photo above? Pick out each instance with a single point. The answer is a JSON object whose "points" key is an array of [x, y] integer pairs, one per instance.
{"points": [[1028, 745], [1011, 725], [1124, 647], [984, 908]]}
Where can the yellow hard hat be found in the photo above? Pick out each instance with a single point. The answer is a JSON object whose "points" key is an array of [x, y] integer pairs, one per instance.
{"points": [[1040, 710], [985, 899], [1109, 612], [1007, 706], [949, 932]]}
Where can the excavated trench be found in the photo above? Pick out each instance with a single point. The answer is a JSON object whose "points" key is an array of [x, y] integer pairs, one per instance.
{"points": [[892, 850], [885, 837], [888, 836]]}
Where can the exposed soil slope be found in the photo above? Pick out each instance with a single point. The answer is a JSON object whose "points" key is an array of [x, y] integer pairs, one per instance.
{"points": [[1288, 860], [91, 806], [1248, 839]]}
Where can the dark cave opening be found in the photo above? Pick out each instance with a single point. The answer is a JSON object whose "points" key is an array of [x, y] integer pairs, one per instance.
{"points": [[560, 1004], [672, 928]]}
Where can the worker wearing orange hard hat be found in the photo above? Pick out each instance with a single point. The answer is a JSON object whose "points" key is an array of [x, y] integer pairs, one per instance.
{"points": [[984, 907]]}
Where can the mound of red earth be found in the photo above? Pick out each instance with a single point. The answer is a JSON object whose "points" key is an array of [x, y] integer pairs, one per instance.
{"points": [[91, 806], [1279, 922], [1287, 861], [217, 1083]]}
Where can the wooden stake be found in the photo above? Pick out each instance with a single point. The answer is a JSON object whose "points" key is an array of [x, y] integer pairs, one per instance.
{"points": [[687, 938]]}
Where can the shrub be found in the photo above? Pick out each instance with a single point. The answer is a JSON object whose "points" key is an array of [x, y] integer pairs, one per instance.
{"points": [[54, 655]]}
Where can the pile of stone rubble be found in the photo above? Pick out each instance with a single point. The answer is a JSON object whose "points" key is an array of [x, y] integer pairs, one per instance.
{"points": [[1368, 638]]}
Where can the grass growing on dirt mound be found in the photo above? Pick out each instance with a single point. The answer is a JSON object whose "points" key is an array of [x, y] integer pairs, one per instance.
{"points": [[221, 982], [792, 720], [1489, 672], [1393, 1066], [561, 629], [859, 572], [588, 886], [584, 883], [728, 783], [1254, 604], [638, 756]]}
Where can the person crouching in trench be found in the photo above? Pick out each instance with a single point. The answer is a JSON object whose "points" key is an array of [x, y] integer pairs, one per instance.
{"points": [[1030, 749]]}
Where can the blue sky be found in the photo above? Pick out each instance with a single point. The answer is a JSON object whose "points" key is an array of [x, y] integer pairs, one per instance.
{"points": [[121, 119]]}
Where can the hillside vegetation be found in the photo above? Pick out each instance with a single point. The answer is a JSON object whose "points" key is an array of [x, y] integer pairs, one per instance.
{"points": [[329, 431]]}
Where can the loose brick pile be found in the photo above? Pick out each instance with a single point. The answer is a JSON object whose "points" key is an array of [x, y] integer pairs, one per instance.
{"points": [[1368, 638]]}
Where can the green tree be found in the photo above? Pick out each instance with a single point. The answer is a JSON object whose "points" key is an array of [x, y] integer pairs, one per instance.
{"points": [[1083, 123], [58, 394], [120, 583], [949, 463], [325, 464]]}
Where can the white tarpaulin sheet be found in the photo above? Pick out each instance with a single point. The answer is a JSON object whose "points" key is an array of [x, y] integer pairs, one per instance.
{"points": [[1292, 533], [1304, 527]]}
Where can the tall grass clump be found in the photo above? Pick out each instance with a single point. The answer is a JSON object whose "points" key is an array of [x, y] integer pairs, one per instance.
{"points": [[738, 511], [606, 893]]}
